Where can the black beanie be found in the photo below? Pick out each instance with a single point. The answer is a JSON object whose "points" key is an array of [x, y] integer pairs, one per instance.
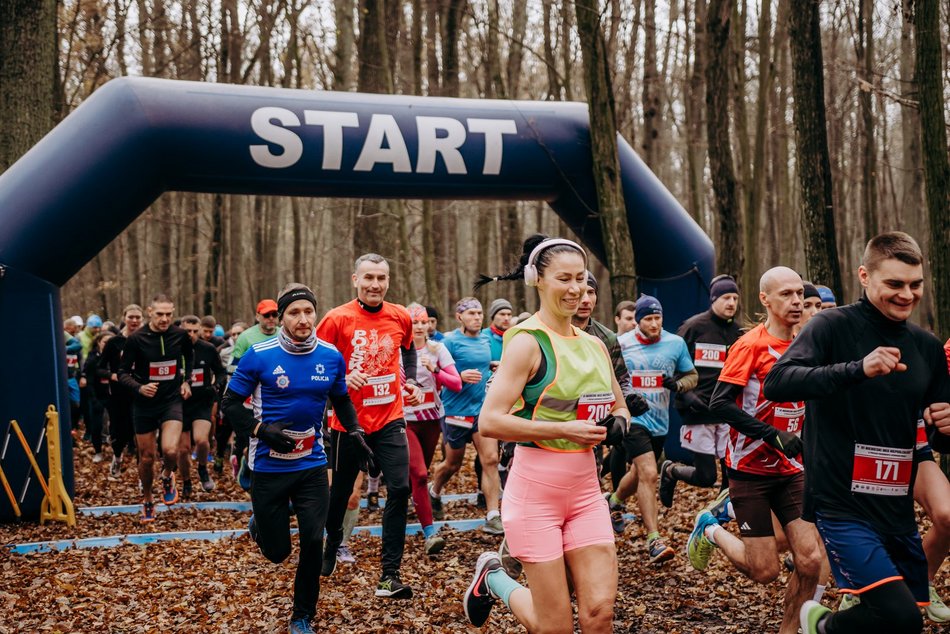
{"points": [[811, 290], [721, 285]]}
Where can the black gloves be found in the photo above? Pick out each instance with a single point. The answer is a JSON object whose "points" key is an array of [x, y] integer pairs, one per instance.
{"points": [[273, 434], [636, 404], [670, 383], [367, 459], [787, 442], [616, 429]]}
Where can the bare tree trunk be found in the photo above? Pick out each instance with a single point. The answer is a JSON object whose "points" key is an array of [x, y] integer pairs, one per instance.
{"points": [[567, 58], [651, 145], [554, 80], [814, 167], [28, 63], [450, 47], [345, 45], [694, 90], [519, 27], [729, 254], [933, 129], [864, 51], [603, 135], [756, 188]]}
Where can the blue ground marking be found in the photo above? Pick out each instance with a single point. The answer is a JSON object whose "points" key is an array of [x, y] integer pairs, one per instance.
{"points": [[134, 509], [142, 539]]}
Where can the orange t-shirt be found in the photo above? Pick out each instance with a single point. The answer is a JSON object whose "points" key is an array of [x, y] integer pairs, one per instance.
{"points": [[370, 342], [750, 359]]}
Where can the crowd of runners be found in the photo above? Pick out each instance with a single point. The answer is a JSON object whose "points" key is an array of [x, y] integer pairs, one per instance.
{"points": [[812, 430]]}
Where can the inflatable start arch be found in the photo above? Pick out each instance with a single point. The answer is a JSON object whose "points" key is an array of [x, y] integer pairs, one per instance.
{"points": [[136, 138]]}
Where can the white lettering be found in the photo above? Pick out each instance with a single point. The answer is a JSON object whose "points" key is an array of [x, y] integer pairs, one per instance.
{"points": [[333, 124], [383, 128], [430, 144], [494, 131], [262, 124]]}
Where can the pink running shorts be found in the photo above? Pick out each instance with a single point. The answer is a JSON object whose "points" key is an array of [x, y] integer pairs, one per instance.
{"points": [[553, 504]]}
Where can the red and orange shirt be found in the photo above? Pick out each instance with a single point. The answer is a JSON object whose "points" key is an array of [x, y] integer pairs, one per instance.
{"points": [[749, 361], [371, 342]]}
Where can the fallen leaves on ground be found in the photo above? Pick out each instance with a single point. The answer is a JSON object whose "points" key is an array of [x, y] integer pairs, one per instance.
{"points": [[228, 586]]}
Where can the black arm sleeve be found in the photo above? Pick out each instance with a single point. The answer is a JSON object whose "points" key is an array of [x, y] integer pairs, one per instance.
{"points": [[241, 418], [409, 361], [219, 374], [125, 366], [800, 374], [345, 411], [620, 368], [723, 405], [187, 357]]}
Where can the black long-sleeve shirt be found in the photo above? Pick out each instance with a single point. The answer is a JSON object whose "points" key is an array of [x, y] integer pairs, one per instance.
{"points": [[861, 450], [156, 357], [208, 375], [708, 339]]}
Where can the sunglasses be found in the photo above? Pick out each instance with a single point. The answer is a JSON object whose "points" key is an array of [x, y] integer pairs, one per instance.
{"points": [[270, 314]]}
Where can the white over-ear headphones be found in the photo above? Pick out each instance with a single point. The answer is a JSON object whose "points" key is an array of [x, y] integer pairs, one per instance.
{"points": [[531, 270]]}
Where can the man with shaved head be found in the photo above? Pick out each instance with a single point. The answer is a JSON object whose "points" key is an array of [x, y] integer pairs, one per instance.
{"points": [[763, 456]]}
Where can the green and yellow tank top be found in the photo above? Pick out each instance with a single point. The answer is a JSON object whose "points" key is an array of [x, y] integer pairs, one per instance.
{"points": [[576, 383]]}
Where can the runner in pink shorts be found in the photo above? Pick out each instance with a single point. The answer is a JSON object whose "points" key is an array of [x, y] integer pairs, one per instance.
{"points": [[555, 394]]}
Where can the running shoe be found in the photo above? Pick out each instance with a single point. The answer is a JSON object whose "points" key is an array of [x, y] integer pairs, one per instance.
{"points": [[301, 626], [493, 526], [616, 515], [478, 600], [218, 465], [148, 512], [810, 615], [667, 484], [115, 468], [97, 457], [392, 588], [206, 482], [719, 508], [372, 501], [698, 547], [244, 474], [511, 565], [937, 611], [435, 544], [329, 558], [848, 601], [169, 492], [344, 556], [480, 502], [438, 513], [659, 551], [186, 490]]}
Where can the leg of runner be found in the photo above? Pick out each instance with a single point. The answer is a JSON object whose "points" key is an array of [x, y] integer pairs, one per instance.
{"points": [[642, 478], [310, 497], [201, 433], [120, 432], [184, 463], [148, 448], [806, 547], [391, 448], [487, 449], [171, 433], [222, 436], [417, 433], [442, 473], [932, 491], [350, 519], [345, 470]]}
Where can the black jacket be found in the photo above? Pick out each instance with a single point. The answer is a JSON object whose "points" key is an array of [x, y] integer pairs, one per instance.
{"points": [[714, 336], [161, 357], [850, 418]]}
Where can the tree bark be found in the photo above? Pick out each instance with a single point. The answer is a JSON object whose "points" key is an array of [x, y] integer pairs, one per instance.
{"points": [[694, 90], [933, 129], [811, 135], [28, 63], [729, 254], [603, 133], [864, 51], [651, 145]]}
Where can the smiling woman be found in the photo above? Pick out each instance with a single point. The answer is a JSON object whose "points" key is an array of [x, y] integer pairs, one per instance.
{"points": [[555, 394]]}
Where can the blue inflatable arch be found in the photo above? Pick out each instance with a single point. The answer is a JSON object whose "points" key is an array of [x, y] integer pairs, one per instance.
{"points": [[135, 138]]}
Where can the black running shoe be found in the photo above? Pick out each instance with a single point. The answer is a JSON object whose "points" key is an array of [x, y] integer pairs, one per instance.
{"points": [[329, 558], [391, 587], [372, 501], [478, 600]]}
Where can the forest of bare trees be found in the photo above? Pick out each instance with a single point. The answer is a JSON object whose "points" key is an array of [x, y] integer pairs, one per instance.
{"points": [[790, 130]]}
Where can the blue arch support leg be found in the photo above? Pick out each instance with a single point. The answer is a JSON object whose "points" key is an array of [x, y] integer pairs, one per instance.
{"points": [[136, 138]]}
